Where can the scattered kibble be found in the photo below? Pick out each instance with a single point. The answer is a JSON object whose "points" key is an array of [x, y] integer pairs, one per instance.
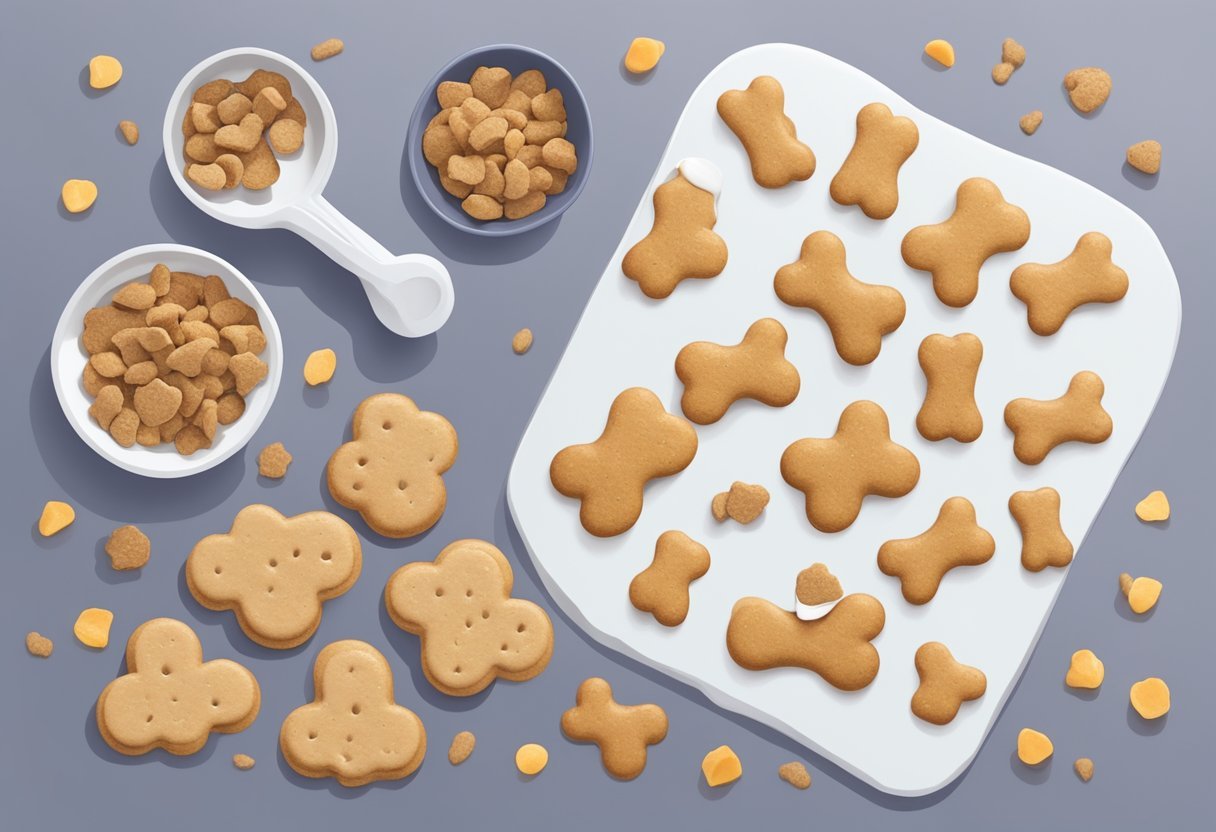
{"points": [[274, 460], [1154, 508], [1013, 55], [1146, 158], [1085, 671], [128, 548], [721, 766], [1088, 88], [39, 645], [78, 195], [461, 747], [521, 342], [531, 758], [1031, 121], [92, 627], [327, 49], [1084, 768], [243, 761], [56, 517], [1033, 746], [1142, 593], [319, 367], [104, 72], [1151, 698], [941, 51], [644, 54], [795, 774], [129, 130]]}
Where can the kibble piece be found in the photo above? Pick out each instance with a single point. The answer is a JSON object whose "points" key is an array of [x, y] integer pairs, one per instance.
{"points": [[488, 131], [1151, 698], [212, 176], [513, 141], [207, 418], [56, 517], [1145, 156], [941, 51], [242, 137], [540, 132], [531, 82], [515, 209], [125, 427], [514, 118], [232, 109], [286, 136], [104, 71], [135, 295], [233, 168], [1031, 121], [202, 148], [516, 179], [559, 153], [244, 338], [721, 766], [439, 144], [228, 312], [521, 342], [39, 645], [1002, 72], [490, 85], [205, 117], [128, 547], [1084, 768], [467, 169], [1088, 88], [1013, 53], [129, 130], [461, 747], [243, 761], [107, 405], [531, 758], [327, 49], [452, 93], [190, 439], [795, 774], [549, 106], [273, 461], [319, 366], [268, 104], [482, 207], [228, 408], [78, 195], [519, 101], [643, 55], [1142, 593], [92, 627], [494, 183], [1033, 746]]}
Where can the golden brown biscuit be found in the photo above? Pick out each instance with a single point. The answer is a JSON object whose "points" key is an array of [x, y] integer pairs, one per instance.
{"points": [[391, 471], [1052, 291], [1044, 543], [170, 698], [869, 177], [128, 547], [1077, 416], [622, 732], [275, 572], [920, 563], [353, 730], [641, 441], [858, 314], [950, 365], [462, 747], [860, 459], [1088, 88], [717, 376], [816, 585], [661, 589], [953, 251], [945, 684], [743, 503], [472, 631], [757, 116], [762, 636]]}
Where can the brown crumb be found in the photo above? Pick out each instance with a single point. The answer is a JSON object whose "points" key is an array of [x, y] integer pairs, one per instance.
{"points": [[1145, 156], [243, 761], [1013, 53], [1002, 72], [273, 461], [461, 747], [817, 585], [746, 502], [1085, 768], [39, 645], [327, 49], [522, 341], [128, 548], [795, 774], [129, 130], [717, 506], [1031, 121]]}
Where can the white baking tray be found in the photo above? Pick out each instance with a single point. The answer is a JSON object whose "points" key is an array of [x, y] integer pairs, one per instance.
{"points": [[989, 616]]}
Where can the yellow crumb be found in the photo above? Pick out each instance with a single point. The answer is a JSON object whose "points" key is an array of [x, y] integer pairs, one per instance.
{"points": [[92, 627], [104, 71], [531, 758], [1033, 746], [941, 51], [78, 195], [319, 367], [644, 54], [1154, 508], [1085, 671], [721, 766], [56, 517], [1151, 698]]}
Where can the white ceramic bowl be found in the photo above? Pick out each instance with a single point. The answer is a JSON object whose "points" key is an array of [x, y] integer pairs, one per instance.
{"points": [[68, 358]]}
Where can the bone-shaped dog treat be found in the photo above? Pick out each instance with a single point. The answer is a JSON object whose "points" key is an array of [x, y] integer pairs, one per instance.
{"points": [[641, 441], [950, 366], [762, 635], [1077, 416], [836, 474], [757, 116], [1052, 291], [1044, 543], [920, 563], [869, 177], [681, 244], [661, 589], [858, 314], [622, 732], [953, 251], [945, 684], [717, 376]]}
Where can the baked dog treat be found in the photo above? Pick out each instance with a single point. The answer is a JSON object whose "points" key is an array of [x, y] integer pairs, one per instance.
{"points": [[869, 177], [761, 636], [275, 572], [945, 684], [860, 459], [170, 698], [641, 441], [1077, 416], [391, 471], [757, 116], [858, 314], [920, 563], [681, 244], [744, 503], [1044, 543], [950, 365], [472, 630], [1088, 88], [661, 589], [622, 732], [982, 225], [1052, 291], [816, 592], [353, 730], [717, 376]]}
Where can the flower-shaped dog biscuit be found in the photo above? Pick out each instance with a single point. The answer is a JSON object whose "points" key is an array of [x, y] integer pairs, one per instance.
{"points": [[391, 471], [353, 729], [472, 630], [170, 698], [274, 572]]}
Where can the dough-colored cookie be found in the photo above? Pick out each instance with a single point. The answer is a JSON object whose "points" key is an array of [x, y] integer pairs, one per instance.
{"points": [[1052, 291], [869, 177], [757, 116], [858, 314], [717, 376], [681, 244], [982, 225], [661, 589], [170, 698], [744, 502], [472, 630], [920, 563], [1077, 416], [762, 635], [622, 732], [1043, 540], [641, 441], [391, 471], [275, 572], [1088, 88], [945, 684], [353, 730], [950, 366], [860, 459]]}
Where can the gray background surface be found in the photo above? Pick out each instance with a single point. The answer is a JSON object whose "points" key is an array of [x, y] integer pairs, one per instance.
{"points": [[56, 773]]}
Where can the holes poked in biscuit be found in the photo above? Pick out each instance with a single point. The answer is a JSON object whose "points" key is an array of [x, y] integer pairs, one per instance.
{"points": [[837, 473], [641, 441], [757, 117], [945, 684], [950, 365], [716, 376], [858, 314], [869, 177], [1044, 543], [1038, 426], [952, 251], [1052, 291], [661, 589], [920, 563], [622, 732]]}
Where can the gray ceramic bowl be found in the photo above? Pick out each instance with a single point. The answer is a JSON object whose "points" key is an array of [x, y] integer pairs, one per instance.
{"points": [[578, 130]]}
